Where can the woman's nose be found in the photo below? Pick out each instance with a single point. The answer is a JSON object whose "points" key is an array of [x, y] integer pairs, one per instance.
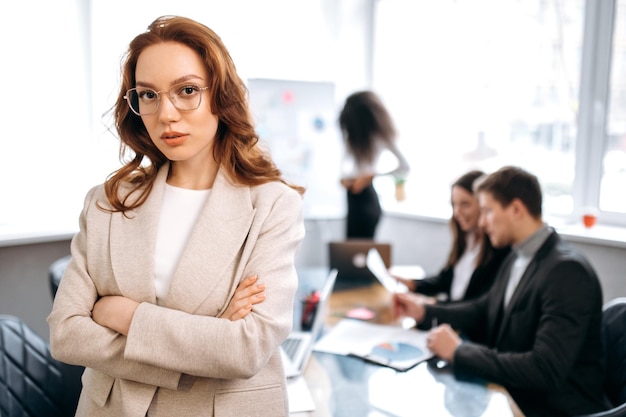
{"points": [[167, 111]]}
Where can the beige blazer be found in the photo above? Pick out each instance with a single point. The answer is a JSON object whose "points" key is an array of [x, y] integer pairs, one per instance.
{"points": [[180, 359]]}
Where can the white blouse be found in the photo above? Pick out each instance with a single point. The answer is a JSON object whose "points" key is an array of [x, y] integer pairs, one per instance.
{"points": [[352, 169], [464, 269], [179, 212]]}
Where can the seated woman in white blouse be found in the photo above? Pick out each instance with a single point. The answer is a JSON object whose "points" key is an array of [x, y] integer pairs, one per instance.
{"points": [[472, 263]]}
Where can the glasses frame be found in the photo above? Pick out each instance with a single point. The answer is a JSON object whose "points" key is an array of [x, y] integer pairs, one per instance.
{"points": [[158, 98]]}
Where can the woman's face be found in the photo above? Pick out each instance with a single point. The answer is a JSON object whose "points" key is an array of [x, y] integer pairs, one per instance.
{"points": [[182, 136], [465, 208]]}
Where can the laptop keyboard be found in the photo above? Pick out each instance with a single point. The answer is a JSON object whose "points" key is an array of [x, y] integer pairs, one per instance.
{"points": [[290, 346]]}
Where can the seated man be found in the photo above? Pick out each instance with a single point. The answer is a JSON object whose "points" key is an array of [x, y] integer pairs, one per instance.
{"points": [[541, 318]]}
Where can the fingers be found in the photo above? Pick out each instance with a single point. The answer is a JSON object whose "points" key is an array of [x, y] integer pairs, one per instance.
{"points": [[443, 341], [247, 288], [241, 313], [247, 294]]}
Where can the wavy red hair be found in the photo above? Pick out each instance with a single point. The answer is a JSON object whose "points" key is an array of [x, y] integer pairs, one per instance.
{"points": [[236, 146]]}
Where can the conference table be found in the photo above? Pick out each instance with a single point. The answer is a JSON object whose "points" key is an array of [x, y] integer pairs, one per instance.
{"points": [[346, 386]]}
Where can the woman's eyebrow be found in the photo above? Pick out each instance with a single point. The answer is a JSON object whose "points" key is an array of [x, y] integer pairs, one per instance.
{"points": [[174, 82]]}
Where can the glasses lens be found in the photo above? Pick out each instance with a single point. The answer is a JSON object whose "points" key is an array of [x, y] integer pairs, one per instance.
{"points": [[142, 101], [186, 96]]}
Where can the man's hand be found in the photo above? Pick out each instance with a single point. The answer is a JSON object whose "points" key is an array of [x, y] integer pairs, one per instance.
{"points": [[246, 295], [409, 305], [443, 341]]}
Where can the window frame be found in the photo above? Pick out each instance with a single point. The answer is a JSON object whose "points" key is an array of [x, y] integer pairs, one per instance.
{"points": [[592, 139]]}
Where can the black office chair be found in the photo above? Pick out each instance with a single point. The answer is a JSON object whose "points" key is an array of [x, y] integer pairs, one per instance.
{"points": [[614, 343], [55, 273], [32, 383]]}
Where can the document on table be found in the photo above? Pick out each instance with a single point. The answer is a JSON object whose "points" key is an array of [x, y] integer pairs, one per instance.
{"points": [[386, 345], [300, 399]]}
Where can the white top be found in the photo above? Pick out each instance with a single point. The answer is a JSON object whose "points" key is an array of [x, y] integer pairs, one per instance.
{"points": [[352, 169], [179, 212], [464, 269]]}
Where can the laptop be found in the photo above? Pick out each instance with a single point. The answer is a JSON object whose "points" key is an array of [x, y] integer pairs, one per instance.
{"points": [[297, 348], [349, 257]]}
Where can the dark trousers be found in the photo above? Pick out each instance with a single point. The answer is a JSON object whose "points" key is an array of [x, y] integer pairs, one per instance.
{"points": [[364, 213]]}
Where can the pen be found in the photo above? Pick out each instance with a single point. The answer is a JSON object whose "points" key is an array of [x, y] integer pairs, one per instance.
{"points": [[434, 322]]}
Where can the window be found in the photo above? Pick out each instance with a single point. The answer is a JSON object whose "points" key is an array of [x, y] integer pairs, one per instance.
{"points": [[486, 83], [613, 182]]}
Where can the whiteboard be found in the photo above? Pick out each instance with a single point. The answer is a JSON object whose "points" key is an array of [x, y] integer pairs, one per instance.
{"points": [[297, 124]]}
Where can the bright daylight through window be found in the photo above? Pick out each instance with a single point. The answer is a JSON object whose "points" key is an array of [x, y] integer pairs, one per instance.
{"points": [[486, 83]]}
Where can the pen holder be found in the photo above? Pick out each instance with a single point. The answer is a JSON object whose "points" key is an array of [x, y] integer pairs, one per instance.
{"points": [[309, 310]]}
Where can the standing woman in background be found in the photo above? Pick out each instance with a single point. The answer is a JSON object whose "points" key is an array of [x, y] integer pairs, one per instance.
{"points": [[367, 129], [472, 262], [149, 301]]}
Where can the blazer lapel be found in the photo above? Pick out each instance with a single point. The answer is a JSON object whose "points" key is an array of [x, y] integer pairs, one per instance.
{"points": [[132, 244], [496, 310], [524, 282], [215, 243], [521, 287]]}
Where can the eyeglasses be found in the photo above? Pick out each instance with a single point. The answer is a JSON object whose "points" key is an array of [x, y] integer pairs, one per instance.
{"points": [[145, 101]]}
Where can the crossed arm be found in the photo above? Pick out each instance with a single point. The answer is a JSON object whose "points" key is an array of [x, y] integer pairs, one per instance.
{"points": [[116, 312]]}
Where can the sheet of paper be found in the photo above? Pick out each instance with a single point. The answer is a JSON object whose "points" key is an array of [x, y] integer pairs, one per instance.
{"points": [[359, 337], [300, 399], [408, 271], [376, 265]]}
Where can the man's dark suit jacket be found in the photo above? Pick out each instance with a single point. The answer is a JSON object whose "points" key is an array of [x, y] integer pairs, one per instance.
{"points": [[480, 282], [545, 347]]}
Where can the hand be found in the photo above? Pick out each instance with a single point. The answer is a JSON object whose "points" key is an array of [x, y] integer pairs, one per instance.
{"points": [[347, 182], [114, 312], [409, 305], [409, 283], [246, 295], [443, 341], [360, 183]]}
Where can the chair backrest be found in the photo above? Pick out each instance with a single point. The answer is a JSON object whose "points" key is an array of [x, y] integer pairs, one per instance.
{"points": [[32, 383], [614, 341], [55, 273]]}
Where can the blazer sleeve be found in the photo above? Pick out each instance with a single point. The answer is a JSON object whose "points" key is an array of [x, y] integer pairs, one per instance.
{"points": [[567, 301], [220, 348], [70, 322], [436, 284]]}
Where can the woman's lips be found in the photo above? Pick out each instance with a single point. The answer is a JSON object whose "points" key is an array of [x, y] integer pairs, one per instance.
{"points": [[173, 138]]}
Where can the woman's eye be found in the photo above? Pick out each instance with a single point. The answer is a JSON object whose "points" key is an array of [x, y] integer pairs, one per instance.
{"points": [[147, 95], [188, 90]]}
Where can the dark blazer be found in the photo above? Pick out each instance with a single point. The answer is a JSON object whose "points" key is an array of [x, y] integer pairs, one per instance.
{"points": [[480, 282], [545, 347]]}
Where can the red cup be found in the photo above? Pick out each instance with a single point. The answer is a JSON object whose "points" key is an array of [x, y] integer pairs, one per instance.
{"points": [[589, 220]]}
